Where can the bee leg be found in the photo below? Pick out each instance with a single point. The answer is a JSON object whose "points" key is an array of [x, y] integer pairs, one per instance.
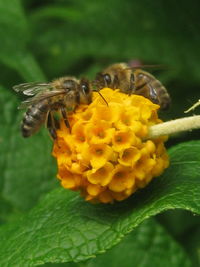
{"points": [[151, 94], [137, 88], [115, 82], [132, 87], [56, 123], [51, 126], [141, 90], [64, 114]]}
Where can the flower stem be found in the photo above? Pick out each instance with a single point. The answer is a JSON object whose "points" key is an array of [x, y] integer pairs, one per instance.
{"points": [[174, 126]]}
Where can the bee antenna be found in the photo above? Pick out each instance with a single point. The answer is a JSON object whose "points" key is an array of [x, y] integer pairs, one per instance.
{"points": [[101, 96]]}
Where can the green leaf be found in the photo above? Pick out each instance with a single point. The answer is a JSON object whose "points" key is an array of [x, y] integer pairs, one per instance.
{"points": [[178, 222], [5, 210], [192, 244], [15, 35], [27, 168], [109, 32], [148, 245], [56, 11], [63, 227]]}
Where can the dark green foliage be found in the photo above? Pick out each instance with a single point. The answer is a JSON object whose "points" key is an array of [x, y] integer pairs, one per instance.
{"points": [[78, 230], [42, 40]]}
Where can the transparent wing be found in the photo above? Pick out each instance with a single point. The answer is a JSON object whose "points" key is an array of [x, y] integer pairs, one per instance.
{"points": [[40, 97], [31, 89]]}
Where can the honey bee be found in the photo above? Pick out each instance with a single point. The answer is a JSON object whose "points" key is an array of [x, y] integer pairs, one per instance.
{"points": [[133, 81], [63, 94]]}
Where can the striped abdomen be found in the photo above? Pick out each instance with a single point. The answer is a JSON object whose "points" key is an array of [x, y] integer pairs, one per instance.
{"points": [[162, 94], [34, 117], [148, 86]]}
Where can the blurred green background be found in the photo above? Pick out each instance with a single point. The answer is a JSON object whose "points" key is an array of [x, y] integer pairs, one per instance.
{"points": [[43, 40]]}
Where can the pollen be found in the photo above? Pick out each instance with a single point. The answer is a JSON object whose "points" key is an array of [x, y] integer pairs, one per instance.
{"points": [[107, 155]]}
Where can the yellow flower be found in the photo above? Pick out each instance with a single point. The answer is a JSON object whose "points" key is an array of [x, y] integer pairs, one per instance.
{"points": [[107, 155], [101, 176], [123, 139], [129, 156], [97, 154], [122, 179], [99, 132], [127, 117]]}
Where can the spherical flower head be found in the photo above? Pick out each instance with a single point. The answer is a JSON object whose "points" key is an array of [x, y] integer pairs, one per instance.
{"points": [[106, 155]]}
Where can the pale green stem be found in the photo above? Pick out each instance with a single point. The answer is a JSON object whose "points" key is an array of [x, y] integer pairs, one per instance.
{"points": [[174, 126]]}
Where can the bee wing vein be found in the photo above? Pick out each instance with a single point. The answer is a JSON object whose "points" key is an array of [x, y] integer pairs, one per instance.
{"points": [[31, 89], [39, 97]]}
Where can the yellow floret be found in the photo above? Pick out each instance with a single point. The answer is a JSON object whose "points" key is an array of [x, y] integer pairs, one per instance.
{"points": [[101, 176], [122, 178], [107, 155]]}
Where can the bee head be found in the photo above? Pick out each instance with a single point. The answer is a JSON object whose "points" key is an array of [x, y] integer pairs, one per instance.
{"points": [[85, 91], [107, 79], [69, 84], [103, 80]]}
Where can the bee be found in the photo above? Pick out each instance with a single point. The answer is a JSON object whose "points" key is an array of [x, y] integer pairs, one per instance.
{"points": [[63, 95], [133, 81]]}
